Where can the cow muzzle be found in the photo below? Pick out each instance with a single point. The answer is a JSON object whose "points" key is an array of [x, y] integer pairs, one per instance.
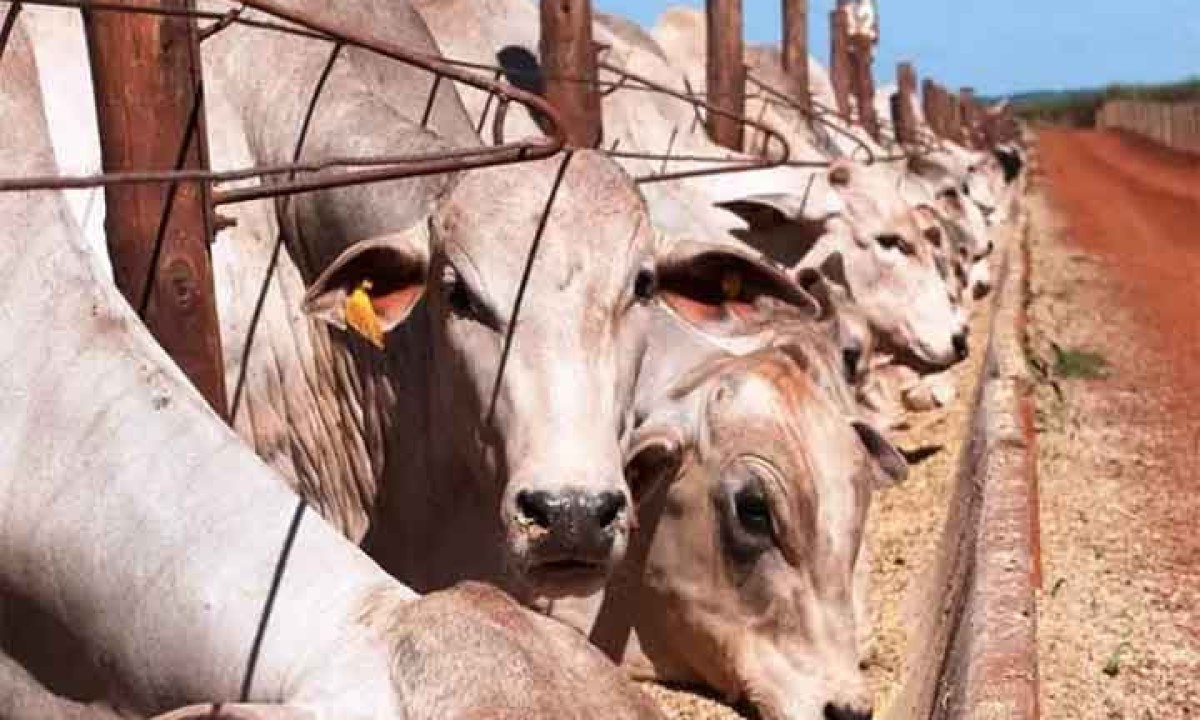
{"points": [[569, 540]]}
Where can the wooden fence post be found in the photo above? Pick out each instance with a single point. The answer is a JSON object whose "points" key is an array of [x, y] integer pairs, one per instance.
{"points": [[795, 50], [862, 81], [953, 117], [726, 77], [149, 101], [569, 64], [839, 58], [903, 115], [929, 105], [970, 117]]}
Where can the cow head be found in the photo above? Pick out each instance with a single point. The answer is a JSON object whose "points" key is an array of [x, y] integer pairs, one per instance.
{"points": [[754, 535], [531, 404], [889, 266]]}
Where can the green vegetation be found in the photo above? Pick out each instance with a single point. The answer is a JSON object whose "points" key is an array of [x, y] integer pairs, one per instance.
{"points": [[1112, 667], [1077, 108], [1080, 364]]}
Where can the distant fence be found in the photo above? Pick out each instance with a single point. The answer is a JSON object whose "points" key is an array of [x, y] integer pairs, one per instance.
{"points": [[1176, 125]]}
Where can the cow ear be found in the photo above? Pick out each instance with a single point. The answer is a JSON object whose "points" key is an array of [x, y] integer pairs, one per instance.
{"points": [[728, 289], [372, 287], [654, 457], [892, 464], [219, 711], [765, 212], [833, 269], [827, 283]]}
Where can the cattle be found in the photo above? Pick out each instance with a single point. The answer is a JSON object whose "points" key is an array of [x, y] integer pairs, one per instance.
{"points": [[687, 587], [517, 474], [1011, 162], [149, 534], [890, 266], [746, 577], [786, 222], [961, 191]]}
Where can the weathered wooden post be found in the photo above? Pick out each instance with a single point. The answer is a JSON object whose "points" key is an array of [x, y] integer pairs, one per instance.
{"points": [[953, 117], [941, 119], [929, 105], [569, 64], [903, 115], [726, 77], [940, 111], [970, 117], [863, 35], [146, 71], [839, 57], [795, 49]]}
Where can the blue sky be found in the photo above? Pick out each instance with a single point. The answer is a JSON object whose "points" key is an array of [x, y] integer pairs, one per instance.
{"points": [[1001, 46]]}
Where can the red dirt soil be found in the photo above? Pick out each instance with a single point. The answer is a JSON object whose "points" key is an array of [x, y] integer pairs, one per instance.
{"points": [[1135, 207]]}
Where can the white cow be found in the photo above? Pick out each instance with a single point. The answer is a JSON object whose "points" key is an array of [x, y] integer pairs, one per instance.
{"points": [[149, 533], [415, 449]]}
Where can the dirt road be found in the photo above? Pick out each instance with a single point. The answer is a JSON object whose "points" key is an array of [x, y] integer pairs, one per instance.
{"points": [[1115, 332]]}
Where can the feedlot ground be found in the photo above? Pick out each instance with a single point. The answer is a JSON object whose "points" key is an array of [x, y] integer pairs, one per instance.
{"points": [[906, 522], [1115, 339]]}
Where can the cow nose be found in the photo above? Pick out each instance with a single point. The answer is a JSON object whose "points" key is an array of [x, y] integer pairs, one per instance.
{"points": [[960, 345], [842, 712], [571, 513], [540, 508], [605, 508]]}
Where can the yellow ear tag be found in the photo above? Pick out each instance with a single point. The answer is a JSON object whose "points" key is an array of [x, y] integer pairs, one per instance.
{"points": [[360, 314], [731, 285]]}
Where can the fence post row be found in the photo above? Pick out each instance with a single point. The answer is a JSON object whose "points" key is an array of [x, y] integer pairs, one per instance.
{"points": [[1173, 124], [726, 72], [146, 71], [795, 50], [569, 65]]}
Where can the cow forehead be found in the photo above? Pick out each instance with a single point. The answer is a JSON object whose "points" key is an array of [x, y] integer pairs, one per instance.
{"points": [[595, 207], [596, 233], [757, 408]]}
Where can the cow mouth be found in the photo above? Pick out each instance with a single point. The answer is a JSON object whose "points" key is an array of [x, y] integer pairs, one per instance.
{"points": [[567, 567], [568, 576]]}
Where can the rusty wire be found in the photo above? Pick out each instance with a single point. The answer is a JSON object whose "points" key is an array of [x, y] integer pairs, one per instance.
{"points": [[819, 112], [628, 79], [378, 167], [10, 20], [816, 113]]}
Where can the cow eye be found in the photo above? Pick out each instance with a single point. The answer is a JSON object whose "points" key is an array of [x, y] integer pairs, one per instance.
{"points": [[753, 512], [645, 285], [890, 241], [458, 295]]}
